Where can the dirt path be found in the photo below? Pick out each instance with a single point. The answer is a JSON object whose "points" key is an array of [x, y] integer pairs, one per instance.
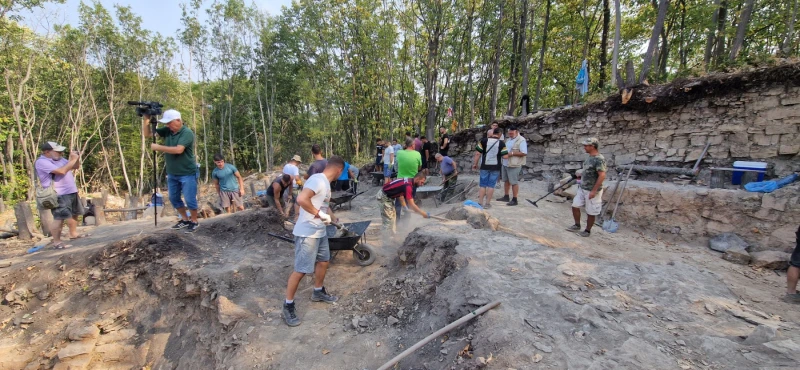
{"points": [[131, 296]]}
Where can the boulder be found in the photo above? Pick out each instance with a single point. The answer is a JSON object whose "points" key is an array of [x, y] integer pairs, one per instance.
{"points": [[737, 255], [774, 260], [85, 332], [725, 241], [761, 334]]}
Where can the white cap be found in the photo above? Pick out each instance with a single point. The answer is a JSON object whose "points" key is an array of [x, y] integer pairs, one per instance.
{"points": [[50, 145], [169, 116]]}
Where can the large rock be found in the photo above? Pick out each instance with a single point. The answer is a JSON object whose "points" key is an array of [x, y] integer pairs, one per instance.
{"points": [[761, 334], [737, 255], [475, 217], [86, 332], [774, 260], [725, 241], [229, 312]]}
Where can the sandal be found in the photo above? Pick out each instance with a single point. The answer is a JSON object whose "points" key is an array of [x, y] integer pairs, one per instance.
{"points": [[61, 245]]}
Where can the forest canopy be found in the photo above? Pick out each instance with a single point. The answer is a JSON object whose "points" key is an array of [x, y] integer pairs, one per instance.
{"points": [[261, 88]]}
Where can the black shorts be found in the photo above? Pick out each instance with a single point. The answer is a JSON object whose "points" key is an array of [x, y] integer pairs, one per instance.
{"points": [[795, 259], [68, 206]]}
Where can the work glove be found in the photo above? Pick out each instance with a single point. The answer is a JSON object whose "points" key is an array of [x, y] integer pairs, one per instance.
{"points": [[326, 218]]}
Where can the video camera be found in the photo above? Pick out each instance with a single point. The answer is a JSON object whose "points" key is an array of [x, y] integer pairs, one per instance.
{"points": [[149, 108]]}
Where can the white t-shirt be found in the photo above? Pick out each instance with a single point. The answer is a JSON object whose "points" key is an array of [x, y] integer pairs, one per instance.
{"points": [[387, 154], [290, 169], [307, 225]]}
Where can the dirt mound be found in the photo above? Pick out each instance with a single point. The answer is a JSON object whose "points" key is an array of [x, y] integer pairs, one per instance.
{"points": [[478, 219]]}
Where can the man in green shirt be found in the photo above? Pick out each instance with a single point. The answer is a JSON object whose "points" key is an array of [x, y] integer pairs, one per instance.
{"points": [[409, 161], [178, 152]]}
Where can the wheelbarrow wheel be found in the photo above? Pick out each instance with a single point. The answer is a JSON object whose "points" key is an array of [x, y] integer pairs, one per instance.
{"points": [[363, 254]]}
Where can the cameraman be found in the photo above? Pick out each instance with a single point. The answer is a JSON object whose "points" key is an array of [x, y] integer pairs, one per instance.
{"points": [[178, 152]]}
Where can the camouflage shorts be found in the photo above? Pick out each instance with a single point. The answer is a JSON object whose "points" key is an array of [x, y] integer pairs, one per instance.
{"points": [[388, 215]]}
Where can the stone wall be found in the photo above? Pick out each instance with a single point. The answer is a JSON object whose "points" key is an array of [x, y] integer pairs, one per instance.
{"points": [[749, 116], [692, 214]]}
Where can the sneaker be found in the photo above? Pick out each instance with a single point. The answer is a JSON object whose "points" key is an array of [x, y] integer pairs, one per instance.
{"points": [[323, 296], [584, 234], [180, 225], [192, 227], [289, 315], [791, 298], [513, 202], [487, 206], [504, 198], [574, 228]]}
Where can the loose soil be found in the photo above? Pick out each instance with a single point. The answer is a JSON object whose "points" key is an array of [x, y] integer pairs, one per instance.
{"points": [[133, 296]]}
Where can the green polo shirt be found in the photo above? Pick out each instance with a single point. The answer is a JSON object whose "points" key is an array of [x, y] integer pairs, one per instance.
{"points": [[179, 164]]}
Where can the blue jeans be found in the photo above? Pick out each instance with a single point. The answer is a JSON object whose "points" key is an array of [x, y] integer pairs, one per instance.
{"points": [[489, 178], [186, 185]]}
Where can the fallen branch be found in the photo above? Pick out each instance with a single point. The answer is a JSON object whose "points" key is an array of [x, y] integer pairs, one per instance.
{"points": [[438, 333]]}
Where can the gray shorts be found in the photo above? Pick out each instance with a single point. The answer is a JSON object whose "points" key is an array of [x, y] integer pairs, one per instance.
{"points": [[308, 251], [68, 206], [230, 197], [511, 174], [272, 204]]}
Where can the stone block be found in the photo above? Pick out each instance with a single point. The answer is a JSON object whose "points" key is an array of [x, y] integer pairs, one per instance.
{"points": [[766, 140], [698, 140], [725, 241], [671, 152], [714, 227], [738, 138], [737, 255], [731, 128], [73, 349], [770, 201], [774, 260], [680, 142], [789, 148], [74, 363], [555, 150], [716, 139], [623, 159], [780, 113], [781, 128], [663, 144], [664, 134], [761, 152], [766, 214], [85, 332], [740, 150], [790, 100]]}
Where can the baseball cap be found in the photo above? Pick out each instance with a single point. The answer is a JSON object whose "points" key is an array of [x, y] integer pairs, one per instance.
{"points": [[513, 128], [49, 145], [591, 141], [296, 158], [169, 116]]}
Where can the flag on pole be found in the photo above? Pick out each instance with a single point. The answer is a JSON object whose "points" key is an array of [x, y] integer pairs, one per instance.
{"points": [[449, 111]]}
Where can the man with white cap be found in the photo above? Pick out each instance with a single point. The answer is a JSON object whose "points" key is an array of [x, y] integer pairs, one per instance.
{"points": [[178, 152], [53, 168], [590, 190], [291, 169]]}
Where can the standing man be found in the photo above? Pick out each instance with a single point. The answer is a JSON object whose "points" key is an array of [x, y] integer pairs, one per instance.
{"points": [[291, 169], [590, 191], [311, 249], [178, 152], [517, 150], [398, 190], [53, 169], [319, 162], [229, 184], [427, 155], [490, 151], [417, 143], [793, 274], [409, 161], [497, 130], [388, 163], [378, 155], [397, 147], [444, 141], [275, 190], [449, 174], [343, 182]]}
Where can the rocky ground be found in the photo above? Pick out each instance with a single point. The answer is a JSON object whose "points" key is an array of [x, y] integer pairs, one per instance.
{"points": [[132, 296]]}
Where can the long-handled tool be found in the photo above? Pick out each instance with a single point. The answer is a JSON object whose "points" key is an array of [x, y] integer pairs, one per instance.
{"points": [[611, 225], [604, 209], [554, 190]]}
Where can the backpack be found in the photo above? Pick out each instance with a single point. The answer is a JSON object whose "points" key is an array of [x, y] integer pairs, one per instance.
{"points": [[47, 198]]}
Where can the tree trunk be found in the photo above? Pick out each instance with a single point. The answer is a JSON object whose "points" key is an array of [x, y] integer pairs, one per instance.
{"points": [[711, 36], [541, 56], [653, 45], [615, 53], [496, 64], [719, 50], [520, 59], [741, 30], [604, 45], [526, 65], [788, 39]]}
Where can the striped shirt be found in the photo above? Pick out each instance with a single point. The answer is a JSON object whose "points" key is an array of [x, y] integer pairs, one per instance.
{"points": [[399, 188]]}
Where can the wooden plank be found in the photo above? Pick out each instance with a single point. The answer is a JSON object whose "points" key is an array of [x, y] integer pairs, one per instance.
{"points": [[131, 209], [25, 224], [253, 189]]}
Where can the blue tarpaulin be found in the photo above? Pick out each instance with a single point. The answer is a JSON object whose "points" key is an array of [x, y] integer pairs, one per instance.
{"points": [[770, 186]]}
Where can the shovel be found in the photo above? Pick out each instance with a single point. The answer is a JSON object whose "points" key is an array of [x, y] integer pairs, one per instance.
{"points": [[611, 225], [341, 229], [554, 190]]}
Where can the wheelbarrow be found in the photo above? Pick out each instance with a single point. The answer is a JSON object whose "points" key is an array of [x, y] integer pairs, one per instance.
{"points": [[351, 238], [341, 197]]}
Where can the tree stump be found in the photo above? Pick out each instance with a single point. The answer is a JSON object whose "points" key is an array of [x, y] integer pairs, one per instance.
{"points": [[104, 196], [99, 212], [253, 189], [45, 219], [25, 224], [2, 205], [133, 202]]}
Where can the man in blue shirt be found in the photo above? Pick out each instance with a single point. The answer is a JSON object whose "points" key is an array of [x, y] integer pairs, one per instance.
{"points": [[229, 184], [343, 182]]}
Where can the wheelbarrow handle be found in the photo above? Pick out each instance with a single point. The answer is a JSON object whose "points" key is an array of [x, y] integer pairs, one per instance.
{"points": [[281, 237]]}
